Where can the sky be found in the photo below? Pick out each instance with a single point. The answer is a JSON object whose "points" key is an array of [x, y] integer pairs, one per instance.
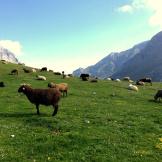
{"points": [[64, 35]]}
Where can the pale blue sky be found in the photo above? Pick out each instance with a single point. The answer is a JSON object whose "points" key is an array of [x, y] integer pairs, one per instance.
{"points": [[67, 34]]}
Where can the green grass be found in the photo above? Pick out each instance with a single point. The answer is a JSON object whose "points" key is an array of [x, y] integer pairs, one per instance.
{"points": [[97, 122]]}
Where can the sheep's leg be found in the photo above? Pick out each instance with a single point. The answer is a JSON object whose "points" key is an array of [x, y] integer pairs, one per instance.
{"points": [[55, 111], [37, 107]]}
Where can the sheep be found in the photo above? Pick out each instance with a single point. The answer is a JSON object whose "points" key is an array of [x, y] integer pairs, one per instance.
{"points": [[126, 78], [2, 84], [44, 69], [140, 83], [47, 97], [84, 77], [14, 72], [62, 87], [146, 80], [158, 95], [70, 75], [40, 77], [130, 81], [34, 70], [27, 70], [117, 80], [93, 80], [109, 79], [57, 73], [132, 87]]}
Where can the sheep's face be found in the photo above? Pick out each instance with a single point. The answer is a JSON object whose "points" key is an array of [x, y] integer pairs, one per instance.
{"points": [[51, 85], [22, 89]]}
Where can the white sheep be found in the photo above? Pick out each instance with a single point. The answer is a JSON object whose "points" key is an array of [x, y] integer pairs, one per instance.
{"points": [[117, 80], [34, 70], [109, 79], [132, 87], [40, 77]]}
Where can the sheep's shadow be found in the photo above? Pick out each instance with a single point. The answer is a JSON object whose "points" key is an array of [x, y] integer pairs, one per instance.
{"points": [[152, 100], [21, 115]]}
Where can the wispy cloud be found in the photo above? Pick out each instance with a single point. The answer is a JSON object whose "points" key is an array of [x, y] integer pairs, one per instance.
{"points": [[13, 46], [151, 5], [126, 8]]}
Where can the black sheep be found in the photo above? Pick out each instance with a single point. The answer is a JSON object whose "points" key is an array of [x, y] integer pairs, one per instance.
{"points": [[158, 95], [44, 69], [14, 72], [84, 77], [2, 84], [147, 80], [46, 97]]}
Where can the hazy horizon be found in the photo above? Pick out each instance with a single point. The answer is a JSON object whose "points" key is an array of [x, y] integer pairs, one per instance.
{"points": [[66, 35]]}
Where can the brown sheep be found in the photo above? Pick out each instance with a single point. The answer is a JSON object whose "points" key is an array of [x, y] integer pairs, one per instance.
{"points": [[50, 96], [62, 87]]}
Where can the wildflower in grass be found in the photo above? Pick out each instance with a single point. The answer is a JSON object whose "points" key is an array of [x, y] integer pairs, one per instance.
{"points": [[94, 93], [159, 146], [87, 121], [12, 135]]}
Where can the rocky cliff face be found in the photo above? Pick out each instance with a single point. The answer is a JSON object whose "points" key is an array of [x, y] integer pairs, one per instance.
{"points": [[148, 63], [5, 54], [111, 63]]}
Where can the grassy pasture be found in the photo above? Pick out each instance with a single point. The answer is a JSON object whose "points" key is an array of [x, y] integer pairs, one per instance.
{"points": [[97, 122]]}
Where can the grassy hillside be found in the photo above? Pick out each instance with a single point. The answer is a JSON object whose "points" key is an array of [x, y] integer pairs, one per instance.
{"points": [[97, 122]]}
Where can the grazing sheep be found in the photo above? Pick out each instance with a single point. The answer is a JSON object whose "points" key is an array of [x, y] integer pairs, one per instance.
{"points": [[44, 69], [84, 77], [158, 95], [146, 80], [126, 78], [40, 77], [109, 79], [2, 84], [62, 87], [27, 70], [14, 72], [57, 73], [130, 81], [70, 75], [34, 70], [140, 83], [93, 80], [117, 80], [132, 87], [4, 62], [50, 96]]}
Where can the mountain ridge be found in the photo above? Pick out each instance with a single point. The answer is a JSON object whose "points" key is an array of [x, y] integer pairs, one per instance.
{"points": [[7, 55]]}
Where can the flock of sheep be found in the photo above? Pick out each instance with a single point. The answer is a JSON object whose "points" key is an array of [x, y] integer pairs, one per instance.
{"points": [[48, 96], [52, 94]]}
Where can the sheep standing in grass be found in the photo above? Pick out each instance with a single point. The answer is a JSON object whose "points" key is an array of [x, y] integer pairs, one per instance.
{"points": [[158, 95], [117, 80], [132, 87], [2, 84], [14, 72], [62, 87], [40, 77], [50, 96], [140, 83]]}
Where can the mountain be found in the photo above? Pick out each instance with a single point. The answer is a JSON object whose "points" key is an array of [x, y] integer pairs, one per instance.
{"points": [[148, 63], [111, 63], [5, 54]]}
